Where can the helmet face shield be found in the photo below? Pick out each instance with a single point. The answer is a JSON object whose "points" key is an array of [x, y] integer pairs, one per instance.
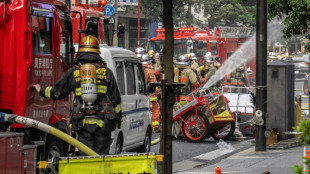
{"points": [[89, 44], [183, 60], [140, 50], [146, 59]]}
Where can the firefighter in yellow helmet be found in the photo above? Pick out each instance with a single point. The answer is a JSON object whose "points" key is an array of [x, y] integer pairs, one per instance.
{"points": [[150, 77], [151, 53], [193, 61], [96, 109]]}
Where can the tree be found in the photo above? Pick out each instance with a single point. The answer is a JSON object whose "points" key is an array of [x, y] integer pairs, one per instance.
{"points": [[182, 14], [169, 75], [295, 16], [232, 13]]}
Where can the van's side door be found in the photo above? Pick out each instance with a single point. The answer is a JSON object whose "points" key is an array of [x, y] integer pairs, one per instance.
{"points": [[127, 84]]}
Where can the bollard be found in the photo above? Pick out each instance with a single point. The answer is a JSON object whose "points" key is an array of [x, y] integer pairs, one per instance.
{"points": [[218, 170], [308, 157]]}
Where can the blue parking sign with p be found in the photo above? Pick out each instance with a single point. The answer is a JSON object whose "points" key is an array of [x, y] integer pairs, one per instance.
{"points": [[108, 10]]}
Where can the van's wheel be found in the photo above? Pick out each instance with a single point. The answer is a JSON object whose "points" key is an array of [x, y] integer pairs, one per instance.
{"points": [[225, 133], [197, 127], [54, 150], [146, 147], [119, 145]]}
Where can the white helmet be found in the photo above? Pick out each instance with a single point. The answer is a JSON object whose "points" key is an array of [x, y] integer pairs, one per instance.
{"points": [[193, 56], [146, 59], [182, 60], [208, 57], [140, 50]]}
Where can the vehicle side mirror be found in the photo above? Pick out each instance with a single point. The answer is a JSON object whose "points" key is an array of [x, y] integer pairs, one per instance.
{"points": [[200, 45], [151, 89]]}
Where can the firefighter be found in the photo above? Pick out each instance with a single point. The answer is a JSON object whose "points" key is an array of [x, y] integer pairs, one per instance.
{"points": [[209, 67], [151, 54], [193, 61], [237, 78], [96, 107], [140, 51], [217, 62], [150, 77], [158, 69], [186, 75]]}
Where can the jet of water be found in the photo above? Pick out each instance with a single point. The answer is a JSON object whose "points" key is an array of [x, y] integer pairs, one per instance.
{"points": [[244, 53]]}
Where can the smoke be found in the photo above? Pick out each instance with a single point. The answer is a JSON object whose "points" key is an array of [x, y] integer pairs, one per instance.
{"points": [[275, 28], [246, 52]]}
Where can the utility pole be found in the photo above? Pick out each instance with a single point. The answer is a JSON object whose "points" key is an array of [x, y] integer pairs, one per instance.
{"points": [[115, 38], [138, 24], [261, 72]]}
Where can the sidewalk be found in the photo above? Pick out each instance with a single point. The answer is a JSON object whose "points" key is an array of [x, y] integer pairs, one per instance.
{"points": [[250, 162]]}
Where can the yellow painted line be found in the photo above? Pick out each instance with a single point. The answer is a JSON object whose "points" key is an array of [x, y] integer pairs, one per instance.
{"points": [[298, 89]]}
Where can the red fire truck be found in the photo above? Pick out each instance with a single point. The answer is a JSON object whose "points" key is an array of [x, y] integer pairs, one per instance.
{"points": [[36, 47], [92, 21], [221, 42]]}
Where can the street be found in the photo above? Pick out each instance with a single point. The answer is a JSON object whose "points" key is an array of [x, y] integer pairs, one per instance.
{"points": [[185, 153]]}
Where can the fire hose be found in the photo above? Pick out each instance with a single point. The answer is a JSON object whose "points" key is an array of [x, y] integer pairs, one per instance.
{"points": [[157, 140], [4, 117]]}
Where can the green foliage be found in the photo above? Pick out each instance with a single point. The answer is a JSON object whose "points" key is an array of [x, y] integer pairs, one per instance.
{"points": [[232, 13], [304, 128], [304, 139], [297, 169], [228, 12], [295, 15]]}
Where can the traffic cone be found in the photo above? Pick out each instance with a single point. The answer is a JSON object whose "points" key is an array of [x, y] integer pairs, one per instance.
{"points": [[218, 170]]}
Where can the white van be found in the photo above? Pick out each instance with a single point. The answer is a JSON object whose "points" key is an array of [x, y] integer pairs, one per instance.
{"points": [[135, 132]]}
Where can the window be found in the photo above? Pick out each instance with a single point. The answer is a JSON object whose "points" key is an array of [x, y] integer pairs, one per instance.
{"points": [[213, 46], [141, 81], [65, 40], [202, 51], [130, 78], [120, 77], [42, 34], [91, 27]]}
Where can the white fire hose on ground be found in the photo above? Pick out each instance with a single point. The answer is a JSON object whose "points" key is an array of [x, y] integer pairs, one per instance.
{"points": [[4, 117]]}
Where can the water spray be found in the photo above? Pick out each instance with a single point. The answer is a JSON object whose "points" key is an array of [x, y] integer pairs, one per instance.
{"points": [[246, 52]]}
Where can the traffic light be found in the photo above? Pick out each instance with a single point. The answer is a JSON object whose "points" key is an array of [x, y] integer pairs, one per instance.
{"points": [[120, 30]]}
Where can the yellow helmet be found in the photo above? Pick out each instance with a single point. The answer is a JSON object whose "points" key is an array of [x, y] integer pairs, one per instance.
{"points": [[151, 53], [89, 44], [188, 56]]}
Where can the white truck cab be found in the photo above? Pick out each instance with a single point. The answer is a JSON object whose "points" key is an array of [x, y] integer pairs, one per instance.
{"points": [[135, 131]]}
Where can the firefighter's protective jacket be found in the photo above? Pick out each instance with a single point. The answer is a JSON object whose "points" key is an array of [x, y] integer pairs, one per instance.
{"points": [[189, 77], [210, 71], [194, 65], [70, 82], [238, 77]]}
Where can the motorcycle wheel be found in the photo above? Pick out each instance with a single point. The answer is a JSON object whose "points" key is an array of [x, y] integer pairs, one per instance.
{"points": [[196, 129]]}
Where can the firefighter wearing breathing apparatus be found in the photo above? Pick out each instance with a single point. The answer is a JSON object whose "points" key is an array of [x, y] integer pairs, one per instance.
{"points": [[97, 104], [184, 74]]}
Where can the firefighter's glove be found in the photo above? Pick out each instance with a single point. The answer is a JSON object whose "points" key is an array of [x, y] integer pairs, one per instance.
{"points": [[118, 119]]}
